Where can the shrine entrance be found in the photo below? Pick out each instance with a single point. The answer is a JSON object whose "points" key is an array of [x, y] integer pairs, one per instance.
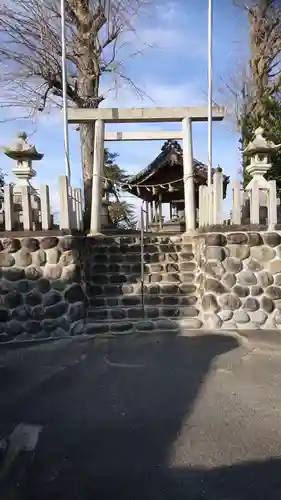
{"points": [[185, 115]]}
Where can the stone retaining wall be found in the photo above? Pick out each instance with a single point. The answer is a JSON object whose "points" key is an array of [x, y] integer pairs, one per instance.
{"points": [[241, 274], [40, 287], [61, 286]]}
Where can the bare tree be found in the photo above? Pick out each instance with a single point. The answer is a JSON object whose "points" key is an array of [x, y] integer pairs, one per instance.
{"points": [[260, 79], [30, 56], [254, 88]]}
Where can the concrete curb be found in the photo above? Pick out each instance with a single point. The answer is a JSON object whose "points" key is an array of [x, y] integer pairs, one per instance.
{"points": [[258, 335], [267, 337], [15, 344]]}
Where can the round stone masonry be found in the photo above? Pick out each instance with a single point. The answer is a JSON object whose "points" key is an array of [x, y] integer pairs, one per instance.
{"points": [[215, 286], [69, 257], [229, 301], [215, 253], [209, 303], [233, 265], [240, 252], [31, 244], [251, 304], [6, 259], [11, 245], [263, 253], [258, 317], [237, 238], [267, 304], [274, 266], [252, 264], [23, 258], [241, 291], [49, 242], [254, 239], [215, 269], [215, 239], [53, 255], [246, 278], [39, 258], [231, 278], [271, 239], [273, 292], [228, 280], [264, 279]]}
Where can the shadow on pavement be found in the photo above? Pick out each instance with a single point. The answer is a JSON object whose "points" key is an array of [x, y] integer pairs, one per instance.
{"points": [[110, 424]]}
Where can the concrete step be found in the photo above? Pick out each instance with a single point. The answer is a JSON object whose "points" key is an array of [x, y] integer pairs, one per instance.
{"points": [[157, 267], [127, 301], [159, 326], [149, 278], [138, 312], [148, 247], [128, 256], [135, 289]]}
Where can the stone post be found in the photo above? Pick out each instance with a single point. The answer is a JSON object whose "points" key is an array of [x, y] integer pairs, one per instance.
{"points": [[201, 206], [45, 207], [189, 200], [236, 203], [79, 205], [8, 207], [255, 202], [26, 208], [272, 205], [72, 208], [217, 197], [65, 212], [210, 204], [97, 177]]}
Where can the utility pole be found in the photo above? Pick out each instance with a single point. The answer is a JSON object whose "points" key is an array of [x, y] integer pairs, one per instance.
{"points": [[210, 91], [64, 93]]}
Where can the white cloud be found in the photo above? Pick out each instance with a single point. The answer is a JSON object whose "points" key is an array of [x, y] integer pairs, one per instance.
{"points": [[169, 27]]}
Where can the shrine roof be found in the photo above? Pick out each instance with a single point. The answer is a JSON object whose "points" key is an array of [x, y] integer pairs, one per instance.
{"points": [[171, 154]]}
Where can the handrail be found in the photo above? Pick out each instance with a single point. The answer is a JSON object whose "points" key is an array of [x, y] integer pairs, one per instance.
{"points": [[143, 211]]}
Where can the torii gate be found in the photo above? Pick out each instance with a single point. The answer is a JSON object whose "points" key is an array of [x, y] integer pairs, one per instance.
{"points": [[101, 116]]}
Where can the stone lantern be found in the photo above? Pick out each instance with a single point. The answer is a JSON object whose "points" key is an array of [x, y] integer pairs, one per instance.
{"points": [[259, 150], [258, 190], [24, 154]]}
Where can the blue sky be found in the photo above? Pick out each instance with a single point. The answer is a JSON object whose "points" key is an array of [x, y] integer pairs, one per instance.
{"points": [[173, 72]]}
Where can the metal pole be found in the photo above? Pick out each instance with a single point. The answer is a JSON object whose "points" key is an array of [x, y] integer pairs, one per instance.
{"points": [[64, 93], [210, 90], [142, 257]]}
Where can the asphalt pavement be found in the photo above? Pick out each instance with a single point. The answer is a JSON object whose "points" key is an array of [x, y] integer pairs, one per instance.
{"points": [[142, 418]]}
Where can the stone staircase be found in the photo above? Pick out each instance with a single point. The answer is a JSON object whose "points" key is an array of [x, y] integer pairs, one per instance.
{"points": [[118, 303]]}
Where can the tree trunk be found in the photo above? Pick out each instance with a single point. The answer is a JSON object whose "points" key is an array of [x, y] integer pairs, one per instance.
{"points": [[87, 136]]}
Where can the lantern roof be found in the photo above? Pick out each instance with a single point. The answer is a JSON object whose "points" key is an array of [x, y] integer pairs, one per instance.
{"points": [[260, 144], [22, 150]]}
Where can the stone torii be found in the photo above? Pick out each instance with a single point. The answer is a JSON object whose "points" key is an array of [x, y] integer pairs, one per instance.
{"points": [[101, 116]]}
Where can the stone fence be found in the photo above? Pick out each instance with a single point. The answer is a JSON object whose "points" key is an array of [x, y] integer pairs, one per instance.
{"points": [[255, 205], [25, 208], [258, 203]]}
